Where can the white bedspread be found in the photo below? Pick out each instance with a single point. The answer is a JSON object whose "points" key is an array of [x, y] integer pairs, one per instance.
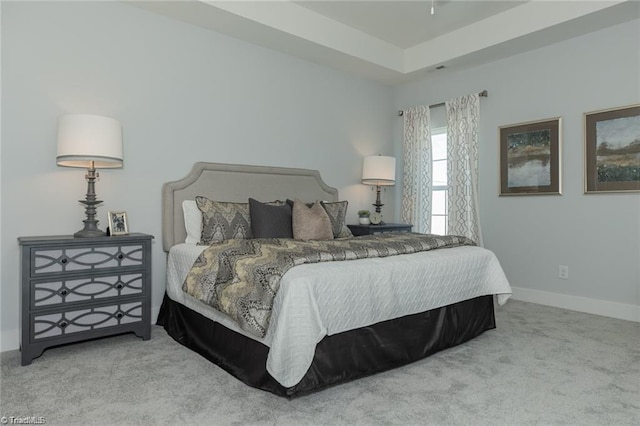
{"points": [[322, 299]]}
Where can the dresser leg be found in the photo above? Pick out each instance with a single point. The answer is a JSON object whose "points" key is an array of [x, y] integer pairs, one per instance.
{"points": [[29, 354], [144, 334]]}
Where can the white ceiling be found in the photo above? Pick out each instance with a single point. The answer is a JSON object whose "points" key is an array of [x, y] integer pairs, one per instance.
{"points": [[397, 40], [407, 23]]}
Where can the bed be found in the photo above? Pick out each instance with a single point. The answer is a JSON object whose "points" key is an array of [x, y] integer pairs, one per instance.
{"points": [[331, 322]]}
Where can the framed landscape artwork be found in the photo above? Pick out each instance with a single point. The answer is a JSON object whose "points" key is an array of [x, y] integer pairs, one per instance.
{"points": [[612, 150], [530, 158]]}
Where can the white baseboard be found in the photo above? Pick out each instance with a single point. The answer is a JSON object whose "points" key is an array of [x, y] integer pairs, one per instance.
{"points": [[577, 303], [10, 339]]}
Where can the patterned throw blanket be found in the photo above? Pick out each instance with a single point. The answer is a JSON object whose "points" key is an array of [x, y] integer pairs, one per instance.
{"points": [[242, 277]]}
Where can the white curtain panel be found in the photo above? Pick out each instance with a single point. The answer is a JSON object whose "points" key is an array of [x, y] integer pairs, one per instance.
{"points": [[417, 176], [462, 166]]}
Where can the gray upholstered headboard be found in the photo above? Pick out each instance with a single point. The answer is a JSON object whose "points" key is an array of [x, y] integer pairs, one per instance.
{"points": [[236, 183]]}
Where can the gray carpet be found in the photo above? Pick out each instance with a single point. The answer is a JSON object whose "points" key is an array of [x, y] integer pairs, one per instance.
{"points": [[542, 365]]}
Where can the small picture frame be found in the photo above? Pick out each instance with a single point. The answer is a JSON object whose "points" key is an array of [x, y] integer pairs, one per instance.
{"points": [[530, 158], [118, 223], [612, 150]]}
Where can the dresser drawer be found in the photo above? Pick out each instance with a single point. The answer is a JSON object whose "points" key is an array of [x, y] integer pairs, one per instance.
{"points": [[59, 324], [51, 260], [47, 293]]}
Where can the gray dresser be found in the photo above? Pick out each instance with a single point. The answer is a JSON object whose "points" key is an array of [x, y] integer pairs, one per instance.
{"points": [[81, 288]]}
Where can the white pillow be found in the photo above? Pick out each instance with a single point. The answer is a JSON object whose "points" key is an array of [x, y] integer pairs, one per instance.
{"points": [[192, 221]]}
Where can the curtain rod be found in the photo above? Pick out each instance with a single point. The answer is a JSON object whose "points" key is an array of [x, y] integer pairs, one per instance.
{"points": [[483, 94]]}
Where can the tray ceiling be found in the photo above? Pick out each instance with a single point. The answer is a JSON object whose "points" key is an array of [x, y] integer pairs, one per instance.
{"points": [[397, 40]]}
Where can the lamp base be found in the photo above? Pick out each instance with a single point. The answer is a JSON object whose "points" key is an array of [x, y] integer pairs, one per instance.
{"points": [[90, 230], [378, 204], [90, 223]]}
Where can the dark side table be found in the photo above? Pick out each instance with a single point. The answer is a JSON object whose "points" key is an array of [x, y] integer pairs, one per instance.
{"points": [[76, 289], [358, 230]]}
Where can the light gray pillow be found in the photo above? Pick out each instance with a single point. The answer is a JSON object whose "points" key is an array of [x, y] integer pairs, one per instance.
{"points": [[310, 223]]}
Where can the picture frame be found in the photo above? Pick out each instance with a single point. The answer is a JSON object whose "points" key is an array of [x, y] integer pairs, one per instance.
{"points": [[612, 150], [530, 158], [118, 224]]}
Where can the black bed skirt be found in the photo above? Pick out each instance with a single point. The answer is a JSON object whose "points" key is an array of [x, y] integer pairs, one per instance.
{"points": [[338, 358]]}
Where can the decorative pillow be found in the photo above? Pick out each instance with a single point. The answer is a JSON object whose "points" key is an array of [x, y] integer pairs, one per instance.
{"points": [[310, 223], [345, 232], [337, 212], [223, 220], [269, 220], [290, 202], [192, 221]]}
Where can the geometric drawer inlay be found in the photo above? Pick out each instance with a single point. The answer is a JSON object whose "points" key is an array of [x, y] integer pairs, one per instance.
{"points": [[61, 324], [85, 288], [84, 258]]}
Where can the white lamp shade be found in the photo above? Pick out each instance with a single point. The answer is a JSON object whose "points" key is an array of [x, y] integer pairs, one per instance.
{"points": [[86, 138], [379, 170]]}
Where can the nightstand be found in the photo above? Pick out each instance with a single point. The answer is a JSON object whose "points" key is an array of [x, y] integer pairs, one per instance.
{"points": [[75, 289], [358, 230]]}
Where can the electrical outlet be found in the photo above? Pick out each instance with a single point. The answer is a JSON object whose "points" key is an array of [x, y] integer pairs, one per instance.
{"points": [[563, 272]]}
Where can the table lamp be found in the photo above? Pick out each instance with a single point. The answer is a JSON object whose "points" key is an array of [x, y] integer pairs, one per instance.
{"points": [[380, 171], [93, 142]]}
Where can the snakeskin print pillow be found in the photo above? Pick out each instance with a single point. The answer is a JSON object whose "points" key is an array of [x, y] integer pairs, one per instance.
{"points": [[337, 213], [223, 220]]}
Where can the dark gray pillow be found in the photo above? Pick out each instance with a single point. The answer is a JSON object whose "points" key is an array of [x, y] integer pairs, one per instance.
{"points": [[269, 221]]}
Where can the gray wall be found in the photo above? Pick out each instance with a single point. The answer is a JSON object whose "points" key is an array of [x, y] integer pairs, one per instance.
{"points": [[597, 236], [182, 94]]}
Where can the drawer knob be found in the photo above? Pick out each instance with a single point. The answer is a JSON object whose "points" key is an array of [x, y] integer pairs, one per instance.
{"points": [[120, 256], [64, 292], [119, 315], [63, 324], [119, 286], [64, 260]]}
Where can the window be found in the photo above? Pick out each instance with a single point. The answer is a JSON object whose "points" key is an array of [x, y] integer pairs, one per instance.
{"points": [[440, 186]]}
